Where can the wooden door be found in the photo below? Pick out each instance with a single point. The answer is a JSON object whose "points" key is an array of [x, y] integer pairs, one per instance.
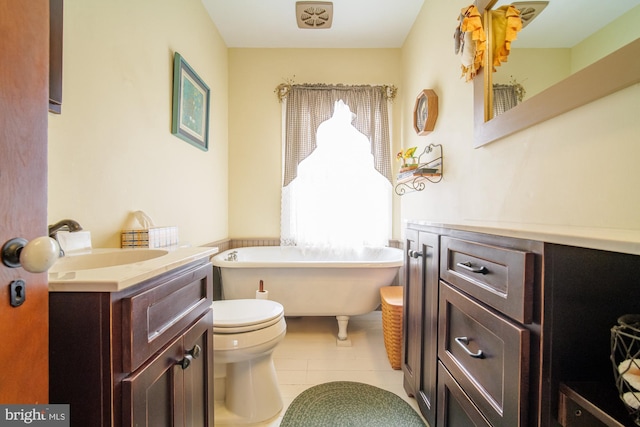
{"points": [[24, 49]]}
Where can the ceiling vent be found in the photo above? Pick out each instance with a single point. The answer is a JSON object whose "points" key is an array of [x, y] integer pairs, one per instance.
{"points": [[314, 14], [529, 10]]}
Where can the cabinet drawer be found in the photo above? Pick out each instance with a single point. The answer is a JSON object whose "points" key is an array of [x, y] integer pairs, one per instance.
{"points": [[154, 317], [501, 278], [487, 354], [455, 409]]}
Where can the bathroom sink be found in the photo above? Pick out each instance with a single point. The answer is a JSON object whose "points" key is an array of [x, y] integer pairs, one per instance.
{"points": [[93, 260]]}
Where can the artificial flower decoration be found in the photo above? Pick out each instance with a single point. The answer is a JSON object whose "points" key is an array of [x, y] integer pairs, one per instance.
{"points": [[404, 155], [409, 153]]}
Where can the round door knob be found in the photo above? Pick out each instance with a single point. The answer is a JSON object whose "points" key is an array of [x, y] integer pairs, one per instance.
{"points": [[36, 256]]}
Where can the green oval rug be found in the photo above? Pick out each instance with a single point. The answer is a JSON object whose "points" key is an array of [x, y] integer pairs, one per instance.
{"points": [[346, 403]]}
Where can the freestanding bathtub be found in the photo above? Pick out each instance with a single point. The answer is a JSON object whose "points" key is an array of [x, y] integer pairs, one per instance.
{"points": [[309, 282]]}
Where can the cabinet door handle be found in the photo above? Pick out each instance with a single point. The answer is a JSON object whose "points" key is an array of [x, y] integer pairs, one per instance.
{"points": [[464, 342], [470, 267], [195, 351], [414, 254], [189, 356], [186, 362]]}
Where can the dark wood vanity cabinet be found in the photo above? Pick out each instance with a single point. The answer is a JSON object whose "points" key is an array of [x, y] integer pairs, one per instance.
{"points": [[471, 302], [139, 357], [523, 329]]}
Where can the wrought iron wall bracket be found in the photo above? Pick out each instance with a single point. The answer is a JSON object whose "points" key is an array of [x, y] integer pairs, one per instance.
{"points": [[427, 171]]}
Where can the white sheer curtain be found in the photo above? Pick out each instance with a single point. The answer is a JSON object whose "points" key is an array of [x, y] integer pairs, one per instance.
{"points": [[338, 200]]}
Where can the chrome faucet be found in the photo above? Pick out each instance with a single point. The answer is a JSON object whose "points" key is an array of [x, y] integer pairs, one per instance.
{"points": [[65, 224], [233, 256]]}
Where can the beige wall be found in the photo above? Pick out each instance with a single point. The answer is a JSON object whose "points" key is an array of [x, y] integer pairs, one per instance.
{"points": [[535, 69], [111, 151], [255, 115], [613, 36], [579, 169]]}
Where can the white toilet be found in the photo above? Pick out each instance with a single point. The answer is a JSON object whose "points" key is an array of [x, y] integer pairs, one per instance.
{"points": [[245, 333]]}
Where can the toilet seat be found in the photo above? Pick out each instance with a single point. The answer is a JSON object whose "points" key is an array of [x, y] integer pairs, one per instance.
{"points": [[245, 315]]}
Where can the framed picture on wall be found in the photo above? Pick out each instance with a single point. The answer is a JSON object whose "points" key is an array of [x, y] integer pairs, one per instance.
{"points": [[191, 97]]}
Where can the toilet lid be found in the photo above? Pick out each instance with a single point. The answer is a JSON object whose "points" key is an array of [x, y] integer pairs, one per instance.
{"points": [[232, 316]]}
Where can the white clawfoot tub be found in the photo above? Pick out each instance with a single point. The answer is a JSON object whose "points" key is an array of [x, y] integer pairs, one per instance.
{"points": [[309, 282]]}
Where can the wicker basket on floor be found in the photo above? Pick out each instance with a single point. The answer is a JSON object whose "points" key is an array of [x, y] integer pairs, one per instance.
{"points": [[392, 307]]}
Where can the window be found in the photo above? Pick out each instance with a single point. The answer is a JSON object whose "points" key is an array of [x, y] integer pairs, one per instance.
{"points": [[338, 198]]}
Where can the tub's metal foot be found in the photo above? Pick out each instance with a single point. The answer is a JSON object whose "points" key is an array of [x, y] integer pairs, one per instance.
{"points": [[343, 321]]}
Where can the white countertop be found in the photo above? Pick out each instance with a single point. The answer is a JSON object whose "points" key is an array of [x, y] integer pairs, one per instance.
{"points": [[117, 278], [608, 239]]}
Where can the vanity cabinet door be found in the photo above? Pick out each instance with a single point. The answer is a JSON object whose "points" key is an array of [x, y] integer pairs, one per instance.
{"points": [[412, 315], [152, 395], [172, 389], [198, 389], [427, 386], [420, 327]]}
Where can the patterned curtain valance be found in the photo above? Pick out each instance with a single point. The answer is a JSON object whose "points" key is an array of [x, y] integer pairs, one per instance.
{"points": [[308, 106], [283, 89]]}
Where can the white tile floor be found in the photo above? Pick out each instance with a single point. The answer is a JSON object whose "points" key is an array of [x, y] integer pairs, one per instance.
{"points": [[308, 355]]}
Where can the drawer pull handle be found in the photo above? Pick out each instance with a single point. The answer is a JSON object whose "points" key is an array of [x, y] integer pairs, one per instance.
{"points": [[470, 267], [190, 355], [464, 342], [414, 254]]}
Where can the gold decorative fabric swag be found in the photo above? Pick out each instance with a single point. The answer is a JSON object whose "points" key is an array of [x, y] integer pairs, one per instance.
{"points": [[505, 24], [470, 41]]}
